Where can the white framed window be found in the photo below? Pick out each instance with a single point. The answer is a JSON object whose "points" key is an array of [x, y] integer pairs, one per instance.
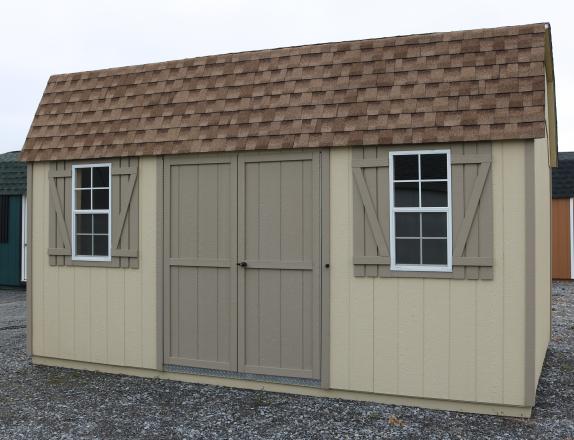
{"points": [[91, 213], [420, 210]]}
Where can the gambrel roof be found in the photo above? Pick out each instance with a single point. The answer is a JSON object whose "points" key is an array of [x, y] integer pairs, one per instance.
{"points": [[486, 84]]}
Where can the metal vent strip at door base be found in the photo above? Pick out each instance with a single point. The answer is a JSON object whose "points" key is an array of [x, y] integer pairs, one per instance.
{"points": [[315, 383]]}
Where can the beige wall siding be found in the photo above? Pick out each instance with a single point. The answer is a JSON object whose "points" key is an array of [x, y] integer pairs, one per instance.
{"points": [[446, 339], [432, 338], [543, 219], [103, 315]]}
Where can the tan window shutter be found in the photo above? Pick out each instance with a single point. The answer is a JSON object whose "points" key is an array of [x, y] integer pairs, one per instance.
{"points": [[371, 211], [125, 212], [60, 213], [471, 212], [472, 217]]}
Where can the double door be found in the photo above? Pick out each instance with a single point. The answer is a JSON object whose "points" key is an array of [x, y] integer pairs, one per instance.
{"points": [[242, 262]]}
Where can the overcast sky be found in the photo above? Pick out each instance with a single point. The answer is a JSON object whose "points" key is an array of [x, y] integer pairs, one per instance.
{"points": [[40, 38]]}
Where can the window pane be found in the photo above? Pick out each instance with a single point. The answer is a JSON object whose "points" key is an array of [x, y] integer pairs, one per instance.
{"points": [[407, 251], [433, 166], [406, 167], [100, 223], [407, 194], [83, 177], [84, 223], [101, 177], [101, 199], [434, 224], [434, 252], [83, 199], [434, 194], [101, 245], [407, 224], [84, 245]]}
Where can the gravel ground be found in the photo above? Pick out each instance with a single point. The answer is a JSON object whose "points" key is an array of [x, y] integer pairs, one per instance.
{"points": [[46, 403]]}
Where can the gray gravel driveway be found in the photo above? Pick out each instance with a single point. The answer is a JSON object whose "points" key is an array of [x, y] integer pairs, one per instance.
{"points": [[51, 403]]}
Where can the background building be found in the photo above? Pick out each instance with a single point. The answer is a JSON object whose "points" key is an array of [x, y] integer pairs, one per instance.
{"points": [[12, 220], [562, 217]]}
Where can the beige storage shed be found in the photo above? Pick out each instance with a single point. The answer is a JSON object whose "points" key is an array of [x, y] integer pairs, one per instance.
{"points": [[366, 219]]}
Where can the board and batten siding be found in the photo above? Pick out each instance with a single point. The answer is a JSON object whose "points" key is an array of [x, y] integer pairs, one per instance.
{"points": [[96, 314], [461, 340]]}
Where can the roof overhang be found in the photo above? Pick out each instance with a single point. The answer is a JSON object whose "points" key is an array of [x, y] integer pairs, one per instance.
{"points": [[552, 122]]}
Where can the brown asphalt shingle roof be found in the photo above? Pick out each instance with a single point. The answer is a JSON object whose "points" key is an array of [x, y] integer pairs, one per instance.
{"points": [[472, 85]]}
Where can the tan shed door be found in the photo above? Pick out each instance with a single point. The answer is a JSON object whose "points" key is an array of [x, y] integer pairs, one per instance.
{"points": [[243, 263], [279, 257], [200, 274]]}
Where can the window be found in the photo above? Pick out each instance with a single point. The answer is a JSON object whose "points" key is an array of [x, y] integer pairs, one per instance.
{"points": [[420, 216], [4, 218], [91, 201]]}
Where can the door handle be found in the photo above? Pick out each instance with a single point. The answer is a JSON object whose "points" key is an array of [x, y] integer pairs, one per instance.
{"points": [[242, 264]]}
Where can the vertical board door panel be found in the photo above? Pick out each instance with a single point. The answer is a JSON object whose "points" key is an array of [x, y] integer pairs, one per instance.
{"points": [[279, 287], [200, 261], [561, 239]]}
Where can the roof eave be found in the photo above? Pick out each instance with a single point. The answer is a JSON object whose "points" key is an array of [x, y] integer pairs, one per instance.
{"points": [[552, 122]]}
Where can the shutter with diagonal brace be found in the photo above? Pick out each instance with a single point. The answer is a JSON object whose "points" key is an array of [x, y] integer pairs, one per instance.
{"points": [[471, 205], [124, 212]]}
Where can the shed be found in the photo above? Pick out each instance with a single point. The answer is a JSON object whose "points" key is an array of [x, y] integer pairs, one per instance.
{"points": [[366, 219], [562, 217], [12, 220]]}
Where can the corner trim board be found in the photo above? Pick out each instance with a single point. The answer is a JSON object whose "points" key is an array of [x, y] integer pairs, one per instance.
{"points": [[530, 277], [29, 295], [159, 263]]}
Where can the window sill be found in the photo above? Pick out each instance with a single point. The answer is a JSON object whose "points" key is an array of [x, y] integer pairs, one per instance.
{"points": [[115, 262], [426, 269]]}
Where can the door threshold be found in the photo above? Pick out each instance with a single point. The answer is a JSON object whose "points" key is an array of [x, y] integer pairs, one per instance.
{"points": [[315, 383]]}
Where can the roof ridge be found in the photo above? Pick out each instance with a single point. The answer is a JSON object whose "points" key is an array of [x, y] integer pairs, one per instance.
{"points": [[301, 46]]}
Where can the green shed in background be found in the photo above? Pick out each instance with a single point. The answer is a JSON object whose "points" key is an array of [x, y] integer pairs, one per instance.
{"points": [[13, 241]]}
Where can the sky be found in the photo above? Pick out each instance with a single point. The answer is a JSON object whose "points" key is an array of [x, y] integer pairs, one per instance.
{"points": [[41, 38]]}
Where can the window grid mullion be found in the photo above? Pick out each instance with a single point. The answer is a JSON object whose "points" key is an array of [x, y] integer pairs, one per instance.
{"points": [[419, 182], [425, 209], [398, 238], [91, 211], [420, 214], [405, 181], [421, 236], [91, 188]]}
